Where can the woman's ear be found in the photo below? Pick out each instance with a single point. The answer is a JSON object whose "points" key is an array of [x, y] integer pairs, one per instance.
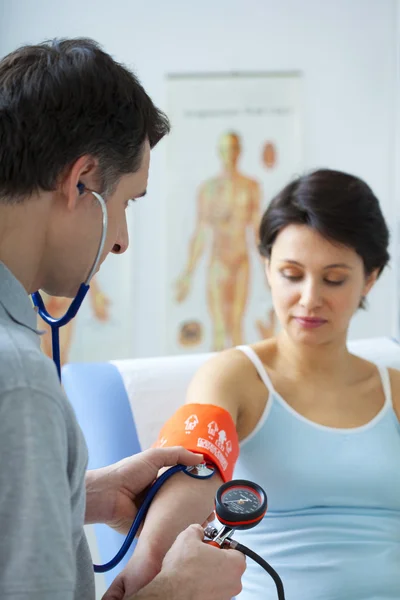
{"points": [[370, 281]]}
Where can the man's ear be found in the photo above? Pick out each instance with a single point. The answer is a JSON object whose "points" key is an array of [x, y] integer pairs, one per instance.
{"points": [[81, 176]]}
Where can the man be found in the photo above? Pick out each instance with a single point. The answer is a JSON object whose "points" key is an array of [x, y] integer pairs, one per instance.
{"points": [[58, 306], [228, 205], [69, 116]]}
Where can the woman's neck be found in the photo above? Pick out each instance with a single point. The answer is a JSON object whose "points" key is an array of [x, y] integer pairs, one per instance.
{"points": [[322, 361]]}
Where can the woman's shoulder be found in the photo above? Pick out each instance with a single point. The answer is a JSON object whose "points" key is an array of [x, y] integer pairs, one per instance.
{"points": [[366, 366], [242, 360], [227, 379], [230, 366], [394, 376], [394, 379]]}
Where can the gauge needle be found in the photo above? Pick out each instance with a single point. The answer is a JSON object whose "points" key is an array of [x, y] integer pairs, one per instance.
{"points": [[240, 501]]}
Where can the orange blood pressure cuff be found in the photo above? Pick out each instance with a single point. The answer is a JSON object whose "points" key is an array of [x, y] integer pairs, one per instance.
{"points": [[207, 429]]}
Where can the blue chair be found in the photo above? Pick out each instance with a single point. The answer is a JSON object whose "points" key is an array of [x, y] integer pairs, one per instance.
{"points": [[97, 394]]}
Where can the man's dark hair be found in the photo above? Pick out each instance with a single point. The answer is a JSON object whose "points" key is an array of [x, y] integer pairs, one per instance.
{"points": [[62, 99]]}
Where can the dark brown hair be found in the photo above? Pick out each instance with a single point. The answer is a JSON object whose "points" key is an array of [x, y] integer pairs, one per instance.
{"points": [[61, 100], [341, 207]]}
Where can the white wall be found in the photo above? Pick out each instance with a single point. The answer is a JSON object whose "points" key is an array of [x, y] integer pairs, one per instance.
{"points": [[346, 50], [397, 173]]}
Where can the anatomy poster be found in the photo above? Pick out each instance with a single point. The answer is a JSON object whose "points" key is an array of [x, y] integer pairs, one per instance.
{"points": [[235, 141]]}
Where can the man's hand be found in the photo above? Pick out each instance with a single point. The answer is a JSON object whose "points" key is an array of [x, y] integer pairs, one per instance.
{"points": [[191, 569], [114, 493]]}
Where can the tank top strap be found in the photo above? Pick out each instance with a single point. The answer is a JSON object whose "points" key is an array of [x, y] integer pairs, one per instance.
{"points": [[385, 379], [252, 356]]}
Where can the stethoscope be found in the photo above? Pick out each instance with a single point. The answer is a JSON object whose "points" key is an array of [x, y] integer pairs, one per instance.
{"points": [[239, 504], [76, 303]]}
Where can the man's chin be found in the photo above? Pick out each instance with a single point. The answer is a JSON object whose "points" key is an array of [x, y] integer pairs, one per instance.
{"points": [[61, 291]]}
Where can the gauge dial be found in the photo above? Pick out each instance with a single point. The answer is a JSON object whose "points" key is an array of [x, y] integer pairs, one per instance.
{"points": [[241, 500], [240, 504]]}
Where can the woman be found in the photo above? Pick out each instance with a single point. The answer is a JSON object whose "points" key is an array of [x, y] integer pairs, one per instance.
{"points": [[318, 426]]}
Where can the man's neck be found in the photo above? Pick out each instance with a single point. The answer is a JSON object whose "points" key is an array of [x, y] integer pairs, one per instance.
{"points": [[22, 239]]}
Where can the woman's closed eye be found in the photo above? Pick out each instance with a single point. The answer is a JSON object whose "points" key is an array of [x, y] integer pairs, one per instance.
{"points": [[334, 281], [296, 276], [291, 275]]}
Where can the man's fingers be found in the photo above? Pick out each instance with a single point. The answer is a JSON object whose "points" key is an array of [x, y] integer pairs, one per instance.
{"points": [[168, 457], [116, 591], [194, 531]]}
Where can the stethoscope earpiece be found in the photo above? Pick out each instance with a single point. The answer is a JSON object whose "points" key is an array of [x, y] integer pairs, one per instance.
{"points": [[81, 187]]}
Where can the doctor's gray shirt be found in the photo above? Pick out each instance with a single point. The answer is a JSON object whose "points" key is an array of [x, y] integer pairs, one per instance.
{"points": [[43, 456]]}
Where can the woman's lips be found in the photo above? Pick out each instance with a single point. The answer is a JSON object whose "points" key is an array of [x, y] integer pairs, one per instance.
{"points": [[310, 322]]}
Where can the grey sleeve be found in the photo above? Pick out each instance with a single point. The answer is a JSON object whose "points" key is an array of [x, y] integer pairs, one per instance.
{"points": [[36, 549]]}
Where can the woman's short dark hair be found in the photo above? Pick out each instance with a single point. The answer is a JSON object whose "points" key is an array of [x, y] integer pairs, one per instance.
{"points": [[341, 207], [61, 100]]}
